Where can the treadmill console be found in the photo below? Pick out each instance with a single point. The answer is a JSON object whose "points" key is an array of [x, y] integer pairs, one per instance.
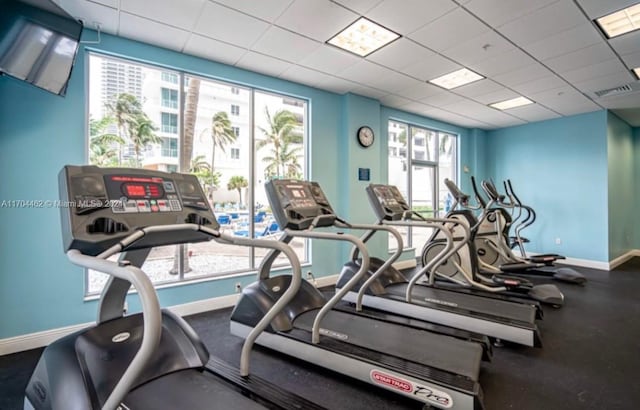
{"points": [[295, 203], [387, 202], [100, 206]]}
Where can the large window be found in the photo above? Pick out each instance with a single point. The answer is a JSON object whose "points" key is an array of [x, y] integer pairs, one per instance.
{"points": [[420, 175], [233, 132]]}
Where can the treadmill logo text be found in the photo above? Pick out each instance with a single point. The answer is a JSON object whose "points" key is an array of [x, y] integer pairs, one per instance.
{"points": [[434, 396], [391, 381]]}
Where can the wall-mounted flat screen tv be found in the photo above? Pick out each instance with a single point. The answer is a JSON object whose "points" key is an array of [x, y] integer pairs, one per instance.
{"points": [[38, 43]]}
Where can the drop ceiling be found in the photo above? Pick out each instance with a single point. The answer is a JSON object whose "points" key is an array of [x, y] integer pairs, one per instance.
{"points": [[549, 51]]}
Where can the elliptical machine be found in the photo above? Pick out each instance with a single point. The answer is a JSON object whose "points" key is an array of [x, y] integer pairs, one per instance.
{"points": [[464, 267]]}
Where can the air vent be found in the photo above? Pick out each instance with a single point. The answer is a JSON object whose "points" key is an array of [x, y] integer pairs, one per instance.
{"points": [[623, 89]]}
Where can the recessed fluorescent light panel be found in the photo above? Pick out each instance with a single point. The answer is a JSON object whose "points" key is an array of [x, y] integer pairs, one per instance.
{"points": [[637, 71], [456, 79], [620, 22], [512, 103], [363, 37]]}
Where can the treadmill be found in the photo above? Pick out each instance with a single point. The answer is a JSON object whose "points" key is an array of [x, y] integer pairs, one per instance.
{"points": [[388, 290], [153, 359], [432, 369]]}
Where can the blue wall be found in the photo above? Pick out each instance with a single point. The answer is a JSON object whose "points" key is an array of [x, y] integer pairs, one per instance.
{"points": [[40, 132], [620, 153], [560, 168]]}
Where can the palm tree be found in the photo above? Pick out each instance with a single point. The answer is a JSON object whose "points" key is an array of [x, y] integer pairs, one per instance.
{"points": [[124, 110], [287, 158], [141, 130], [101, 145], [221, 134], [237, 182], [283, 128], [190, 116]]}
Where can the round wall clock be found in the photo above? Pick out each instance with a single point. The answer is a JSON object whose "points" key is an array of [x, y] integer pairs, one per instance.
{"points": [[365, 136]]}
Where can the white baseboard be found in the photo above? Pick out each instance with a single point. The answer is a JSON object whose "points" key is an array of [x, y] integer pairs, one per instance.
{"points": [[34, 340], [588, 263], [39, 339], [623, 258]]}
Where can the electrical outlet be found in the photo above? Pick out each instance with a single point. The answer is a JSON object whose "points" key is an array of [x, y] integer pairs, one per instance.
{"points": [[558, 241], [238, 287]]}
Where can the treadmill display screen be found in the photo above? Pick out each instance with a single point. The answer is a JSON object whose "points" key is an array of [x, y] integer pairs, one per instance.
{"points": [[149, 190]]}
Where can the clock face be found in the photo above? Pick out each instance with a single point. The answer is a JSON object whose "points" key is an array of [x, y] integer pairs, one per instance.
{"points": [[365, 136]]}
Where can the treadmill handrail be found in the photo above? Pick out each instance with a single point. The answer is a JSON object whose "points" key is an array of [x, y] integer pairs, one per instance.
{"points": [[371, 229], [288, 235], [152, 319], [287, 296]]}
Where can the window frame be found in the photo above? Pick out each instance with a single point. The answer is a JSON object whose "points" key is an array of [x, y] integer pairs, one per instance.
{"points": [[182, 84]]}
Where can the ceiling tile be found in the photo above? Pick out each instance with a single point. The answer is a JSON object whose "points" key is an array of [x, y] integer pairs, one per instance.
{"points": [[336, 85], [261, 63], [405, 16], [421, 109], [393, 82], [368, 91], [605, 81], [329, 59], [91, 12], [478, 88], [150, 32], [109, 3], [285, 45], [359, 6], [364, 71], [623, 101], [479, 48], [181, 14], [523, 75], [304, 75], [400, 54], [565, 100], [496, 96], [533, 112], [581, 58], [318, 19], [596, 70], [431, 68], [230, 26], [508, 122], [599, 8], [575, 38], [394, 101], [627, 43], [502, 63], [419, 90], [632, 60], [266, 10], [498, 12], [441, 99], [451, 29], [552, 19], [539, 85], [211, 49]]}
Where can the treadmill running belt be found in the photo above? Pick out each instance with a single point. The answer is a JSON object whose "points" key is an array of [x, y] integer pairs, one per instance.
{"points": [[462, 301], [430, 349], [188, 389]]}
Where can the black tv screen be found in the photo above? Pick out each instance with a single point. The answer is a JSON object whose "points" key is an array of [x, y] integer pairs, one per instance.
{"points": [[38, 43]]}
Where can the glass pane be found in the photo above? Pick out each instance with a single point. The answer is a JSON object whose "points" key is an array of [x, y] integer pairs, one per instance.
{"points": [[446, 169], [398, 170], [220, 159], [280, 124], [423, 141], [129, 126], [422, 200]]}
